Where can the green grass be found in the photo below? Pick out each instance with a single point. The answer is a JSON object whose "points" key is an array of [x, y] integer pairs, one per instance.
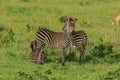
{"points": [[20, 19]]}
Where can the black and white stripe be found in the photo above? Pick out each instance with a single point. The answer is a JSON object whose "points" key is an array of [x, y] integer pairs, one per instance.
{"points": [[79, 41], [53, 39]]}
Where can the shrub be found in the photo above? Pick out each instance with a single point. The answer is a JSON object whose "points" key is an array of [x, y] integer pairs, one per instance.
{"points": [[112, 75], [102, 49], [62, 19], [102, 53]]}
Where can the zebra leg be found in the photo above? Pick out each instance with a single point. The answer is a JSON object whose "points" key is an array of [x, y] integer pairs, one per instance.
{"points": [[82, 52], [39, 57], [75, 52], [70, 49], [37, 53], [39, 50], [63, 56]]}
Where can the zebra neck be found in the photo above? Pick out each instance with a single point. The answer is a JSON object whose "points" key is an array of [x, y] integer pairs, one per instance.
{"points": [[67, 35]]}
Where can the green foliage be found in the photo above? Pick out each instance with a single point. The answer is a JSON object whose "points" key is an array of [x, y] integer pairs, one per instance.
{"points": [[20, 19], [35, 75], [102, 49], [82, 3], [112, 75], [70, 57], [48, 72], [102, 53], [30, 27], [11, 35], [25, 0], [2, 28], [7, 37], [18, 10], [85, 23], [62, 19], [53, 55]]}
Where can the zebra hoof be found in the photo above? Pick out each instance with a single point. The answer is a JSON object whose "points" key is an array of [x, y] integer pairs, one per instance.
{"points": [[40, 62], [63, 64]]}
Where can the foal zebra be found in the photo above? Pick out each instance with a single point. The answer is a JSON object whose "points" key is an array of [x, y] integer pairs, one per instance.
{"points": [[33, 55], [79, 41], [60, 40]]}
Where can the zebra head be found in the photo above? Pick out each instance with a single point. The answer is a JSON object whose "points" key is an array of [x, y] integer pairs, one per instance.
{"points": [[69, 26], [33, 55]]}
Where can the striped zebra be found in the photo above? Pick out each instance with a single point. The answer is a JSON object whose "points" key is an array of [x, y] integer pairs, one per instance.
{"points": [[60, 40], [33, 55], [79, 41]]}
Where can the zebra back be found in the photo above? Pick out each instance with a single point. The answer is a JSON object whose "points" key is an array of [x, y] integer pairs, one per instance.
{"points": [[44, 36], [51, 39], [79, 38]]}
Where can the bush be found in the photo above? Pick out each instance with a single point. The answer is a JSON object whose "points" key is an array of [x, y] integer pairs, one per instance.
{"points": [[112, 75], [102, 49], [62, 19], [102, 53]]}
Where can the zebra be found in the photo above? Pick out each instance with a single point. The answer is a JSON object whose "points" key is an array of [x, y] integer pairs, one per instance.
{"points": [[32, 55], [79, 41], [60, 40]]}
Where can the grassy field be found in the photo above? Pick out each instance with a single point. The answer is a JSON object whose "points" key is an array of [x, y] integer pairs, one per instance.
{"points": [[20, 19]]}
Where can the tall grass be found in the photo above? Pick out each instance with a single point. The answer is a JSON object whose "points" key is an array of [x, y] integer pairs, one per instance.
{"points": [[20, 19]]}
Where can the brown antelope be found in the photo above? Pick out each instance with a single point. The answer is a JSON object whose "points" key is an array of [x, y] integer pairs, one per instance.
{"points": [[116, 19]]}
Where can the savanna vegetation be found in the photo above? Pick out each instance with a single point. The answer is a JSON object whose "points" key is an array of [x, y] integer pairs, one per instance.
{"points": [[20, 19]]}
